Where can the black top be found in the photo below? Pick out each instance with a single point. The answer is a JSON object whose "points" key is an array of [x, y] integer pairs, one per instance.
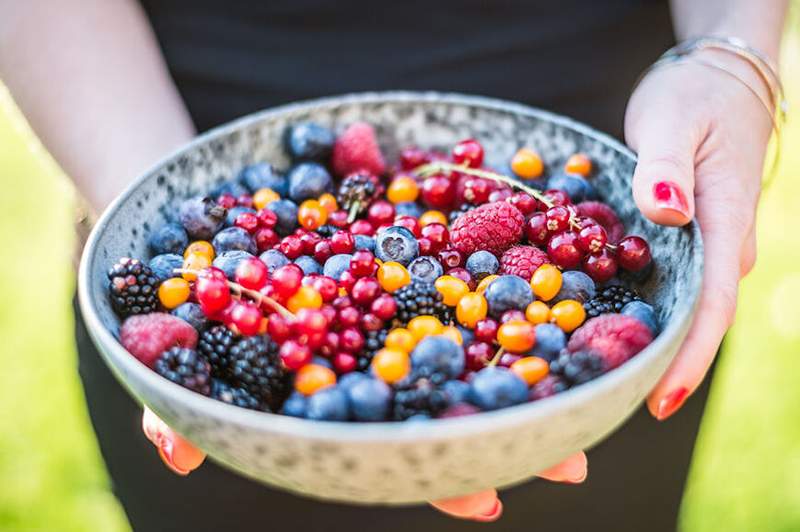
{"points": [[578, 57]]}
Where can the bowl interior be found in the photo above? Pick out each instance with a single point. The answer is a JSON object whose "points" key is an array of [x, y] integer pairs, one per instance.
{"points": [[430, 120]]}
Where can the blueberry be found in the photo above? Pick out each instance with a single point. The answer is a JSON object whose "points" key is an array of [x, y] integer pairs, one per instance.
{"points": [[192, 314], [396, 244], [492, 388], [274, 259], [437, 354], [169, 238], [550, 340], [370, 399], [365, 242], [163, 265], [409, 208], [575, 285], [308, 181], [642, 312], [328, 404], [286, 210], [227, 261], [576, 187], [296, 405], [457, 391], [233, 238], [232, 188], [201, 217], [308, 141], [348, 380], [482, 263], [335, 265], [467, 335], [308, 264], [508, 292], [426, 269], [263, 175], [234, 213], [322, 361]]}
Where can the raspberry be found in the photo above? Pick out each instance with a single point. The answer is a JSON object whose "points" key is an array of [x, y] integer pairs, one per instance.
{"points": [[522, 261], [357, 150], [494, 227], [605, 216], [146, 336], [615, 337]]}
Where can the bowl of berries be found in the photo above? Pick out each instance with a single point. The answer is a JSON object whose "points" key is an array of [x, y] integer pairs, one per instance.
{"points": [[387, 298]]}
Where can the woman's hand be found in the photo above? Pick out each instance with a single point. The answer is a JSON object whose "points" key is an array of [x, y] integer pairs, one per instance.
{"points": [[182, 458], [701, 137]]}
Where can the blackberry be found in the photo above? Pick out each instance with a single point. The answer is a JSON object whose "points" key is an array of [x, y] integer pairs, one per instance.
{"points": [[222, 391], [254, 365], [609, 300], [215, 345], [455, 213], [186, 367], [357, 192], [373, 342], [133, 288], [420, 298], [578, 367], [420, 394]]}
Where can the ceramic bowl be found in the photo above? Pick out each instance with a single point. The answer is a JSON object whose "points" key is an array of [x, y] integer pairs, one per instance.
{"points": [[394, 463]]}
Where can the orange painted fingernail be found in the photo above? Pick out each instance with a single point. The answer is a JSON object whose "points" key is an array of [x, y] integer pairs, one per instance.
{"points": [[166, 451], [492, 514], [671, 403], [668, 195]]}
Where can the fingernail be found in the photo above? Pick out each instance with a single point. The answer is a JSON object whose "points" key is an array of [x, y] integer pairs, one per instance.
{"points": [[671, 403], [492, 514], [166, 451], [668, 195], [579, 479]]}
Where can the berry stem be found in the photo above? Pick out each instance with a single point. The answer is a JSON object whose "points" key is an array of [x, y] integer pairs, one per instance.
{"points": [[496, 358], [354, 208]]}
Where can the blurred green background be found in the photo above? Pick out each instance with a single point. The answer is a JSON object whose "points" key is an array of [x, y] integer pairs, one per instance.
{"points": [[746, 470]]}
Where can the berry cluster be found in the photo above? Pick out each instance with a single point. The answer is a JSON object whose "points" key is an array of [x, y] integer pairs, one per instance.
{"points": [[348, 289]]}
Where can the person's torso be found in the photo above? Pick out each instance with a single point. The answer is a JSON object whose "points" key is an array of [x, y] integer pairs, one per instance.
{"points": [[574, 56]]}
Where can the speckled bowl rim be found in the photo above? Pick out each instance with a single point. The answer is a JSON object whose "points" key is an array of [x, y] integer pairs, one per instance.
{"points": [[434, 429]]}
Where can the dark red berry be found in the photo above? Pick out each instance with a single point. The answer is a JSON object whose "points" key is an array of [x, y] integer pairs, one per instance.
{"points": [[592, 238], [310, 239], [437, 234], [600, 266], [287, 279], [500, 195], [486, 330], [295, 355], [349, 316], [563, 250], [512, 315], [450, 258], [351, 340], [476, 190], [247, 221], [438, 192], [365, 290], [291, 246], [410, 223], [328, 311], [309, 321], [468, 152], [342, 242], [557, 197], [252, 273], [227, 201], [413, 157], [523, 201], [362, 227], [344, 363], [381, 212], [536, 229], [347, 280], [246, 317], [464, 275], [265, 238], [557, 219], [322, 251], [362, 263], [384, 307], [338, 218], [267, 218], [426, 247], [633, 253], [478, 355], [371, 322], [245, 200]]}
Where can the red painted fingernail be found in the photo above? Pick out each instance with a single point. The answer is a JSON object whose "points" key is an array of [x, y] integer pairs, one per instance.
{"points": [[495, 512], [581, 478], [668, 195], [165, 451], [671, 403]]}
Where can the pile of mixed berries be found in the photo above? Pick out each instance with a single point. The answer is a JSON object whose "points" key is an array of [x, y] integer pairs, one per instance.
{"points": [[345, 289]]}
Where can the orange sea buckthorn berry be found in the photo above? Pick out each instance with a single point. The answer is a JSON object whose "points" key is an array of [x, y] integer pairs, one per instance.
{"points": [[485, 282], [516, 336], [432, 217], [531, 369], [305, 297], [401, 339], [311, 214], [451, 288], [328, 201], [452, 333], [546, 282], [195, 261], [392, 276], [568, 315], [313, 377], [390, 365], [173, 292], [263, 197], [527, 164], [471, 309], [580, 164], [423, 326], [200, 247], [537, 312], [402, 189]]}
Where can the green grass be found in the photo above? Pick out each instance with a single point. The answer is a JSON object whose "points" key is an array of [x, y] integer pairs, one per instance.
{"points": [[746, 473]]}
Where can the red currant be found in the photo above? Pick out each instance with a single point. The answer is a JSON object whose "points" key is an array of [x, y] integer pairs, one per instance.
{"points": [[338, 218], [563, 250], [246, 318], [362, 263], [557, 219], [362, 227], [295, 355], [464, 275], [524, 202], [227, 201], [245, 200], [349, 316], [365, 290], [267, 218], [371, 322], [410, 223], [438, 192], [351, 340], [450, 258], [291, 246], [287, 279], [322, 251], [478, 354], [342, 242], [600, 266], [507, 359], [468, 152], [476, 190], [633, 253], [557, 197], [344, 362], [347, 280], [384, 307], [592, 238], [326, 287], [310, 239], [265, 238], [247, 221], [329, 312], [426, 247], [413, 157], [536, 229], [500, 195], [212, 293], [512, 315], [486, 330], [437, 234], [278, 328], [380, 212], [252, 273], [309, 321], [331, 343]]}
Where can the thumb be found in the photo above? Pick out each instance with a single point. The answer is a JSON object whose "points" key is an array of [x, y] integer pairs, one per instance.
{"points": [[176, 452], [666, 137]]}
